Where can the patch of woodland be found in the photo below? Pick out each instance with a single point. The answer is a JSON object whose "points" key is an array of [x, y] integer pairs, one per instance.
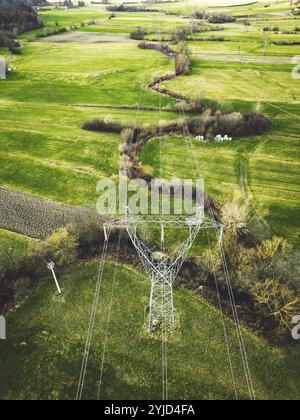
{"points": [[16, 17]]}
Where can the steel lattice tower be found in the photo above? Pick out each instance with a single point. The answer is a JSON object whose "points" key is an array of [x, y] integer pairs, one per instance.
{"points": [[163, 269]]}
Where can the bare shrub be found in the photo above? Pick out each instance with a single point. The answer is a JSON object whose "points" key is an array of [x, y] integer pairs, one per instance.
{"points": [[200, 14], [182, 65], [228, 124], [211, 261], [179, 35], [127, 135], [138, 34], [221, 18], [126, 163], [268, 251], [277, 300], [235, 218], [61, 246]]}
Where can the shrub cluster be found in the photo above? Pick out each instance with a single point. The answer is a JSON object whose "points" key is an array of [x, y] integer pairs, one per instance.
{"points": [[220, 18], [7, 41], [48, 32], [138, 34], [231, 124], [106, 125], [80, 240], [19, 274], [200, 14], [179, 35], [183, 60]]}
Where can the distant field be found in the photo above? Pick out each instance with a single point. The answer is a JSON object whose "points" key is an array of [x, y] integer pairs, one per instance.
{"points": [[235, 7], [44, 350]]}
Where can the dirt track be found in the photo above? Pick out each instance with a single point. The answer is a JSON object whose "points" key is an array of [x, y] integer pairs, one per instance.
{"points": [[86, 37], [33, 216], [230, 58]]}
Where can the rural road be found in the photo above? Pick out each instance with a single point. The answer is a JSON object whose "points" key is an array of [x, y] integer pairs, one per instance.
{"points": [[33, 216], [234, 58]]}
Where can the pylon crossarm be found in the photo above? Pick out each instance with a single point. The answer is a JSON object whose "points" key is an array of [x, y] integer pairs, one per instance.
{"points": [[182, 250], [164, 267], [145, 254]]}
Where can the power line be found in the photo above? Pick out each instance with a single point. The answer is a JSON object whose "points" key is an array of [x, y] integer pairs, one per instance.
{"points": [[109, 317], [86, 353]]}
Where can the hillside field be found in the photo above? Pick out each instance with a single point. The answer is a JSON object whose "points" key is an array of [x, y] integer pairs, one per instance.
{"points": [[94, 70]]}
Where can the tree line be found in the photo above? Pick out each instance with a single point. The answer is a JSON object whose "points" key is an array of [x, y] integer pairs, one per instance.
{"points": [[16, 16]]}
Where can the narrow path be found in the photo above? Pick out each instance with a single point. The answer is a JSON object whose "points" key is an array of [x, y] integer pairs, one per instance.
{"points": [[242, 163], [243, 167], [235, 58]]}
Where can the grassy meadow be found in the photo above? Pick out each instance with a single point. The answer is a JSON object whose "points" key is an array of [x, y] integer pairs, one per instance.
{"points": [[52, 332], [62, 86]]}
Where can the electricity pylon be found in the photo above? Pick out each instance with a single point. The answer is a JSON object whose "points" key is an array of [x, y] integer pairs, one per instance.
{"points": [[162, 268]]}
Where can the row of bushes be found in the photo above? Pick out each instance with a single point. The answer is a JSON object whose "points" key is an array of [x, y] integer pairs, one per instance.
{"points": [[164, 49], [130, 8], [210, 124], [220, 18], [235, 124], [16, 16], [286, 43], [49, 32], [179, 34], [213, 17], [104, 125]]}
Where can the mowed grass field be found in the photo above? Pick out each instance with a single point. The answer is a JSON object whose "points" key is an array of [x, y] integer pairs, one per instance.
{"points": [[236, 7], [42, 357], [55, 88]]}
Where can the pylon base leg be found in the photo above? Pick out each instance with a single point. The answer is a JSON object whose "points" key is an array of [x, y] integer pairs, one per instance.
{"points": [[161, 310]]}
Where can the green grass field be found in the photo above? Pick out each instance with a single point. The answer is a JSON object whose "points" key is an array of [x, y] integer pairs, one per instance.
{"points": [[13, 245], [44, 351], [44, 103]]}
